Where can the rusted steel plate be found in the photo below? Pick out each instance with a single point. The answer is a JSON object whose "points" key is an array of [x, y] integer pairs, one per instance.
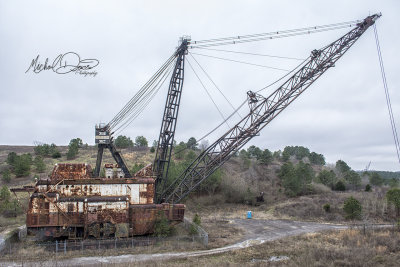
{"points": [[23, 189], [146, 171], [94, 199], [70, 199], [100, 181], [71, 171]]}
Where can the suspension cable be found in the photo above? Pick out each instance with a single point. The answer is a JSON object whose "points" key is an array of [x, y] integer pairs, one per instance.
{"points": [[243, 62], [271, 35], [208, 76], [252, 54], [146, 101], [202, 84], [136, 99], [241, 105], [388, 102]]}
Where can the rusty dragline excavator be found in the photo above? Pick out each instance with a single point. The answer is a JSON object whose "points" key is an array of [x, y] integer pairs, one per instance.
{"points": [[76, 203]]}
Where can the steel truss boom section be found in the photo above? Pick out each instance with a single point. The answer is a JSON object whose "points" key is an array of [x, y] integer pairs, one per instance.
{"points": [[170, 116], [262, 111]]}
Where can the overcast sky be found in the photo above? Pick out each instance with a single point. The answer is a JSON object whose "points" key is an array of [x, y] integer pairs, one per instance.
{"points": [[343, 115]]}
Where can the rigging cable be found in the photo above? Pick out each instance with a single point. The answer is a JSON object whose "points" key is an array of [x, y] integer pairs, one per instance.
{"points": [[252, 54], [215, 104], [388, 102], [137, 98], [146, 100], [270, 35], [142, 92], [238, 61], [243, 103], [208, 76]]}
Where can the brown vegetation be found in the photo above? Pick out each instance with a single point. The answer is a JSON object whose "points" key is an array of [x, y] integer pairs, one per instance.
{"points": [[377, 247]]}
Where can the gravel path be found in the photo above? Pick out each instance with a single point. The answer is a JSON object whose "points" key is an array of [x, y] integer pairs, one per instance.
{"points": [[257, 232]]}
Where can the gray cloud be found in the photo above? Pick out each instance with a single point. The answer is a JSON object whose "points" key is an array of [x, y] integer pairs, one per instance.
{"points": [[343, 115]]}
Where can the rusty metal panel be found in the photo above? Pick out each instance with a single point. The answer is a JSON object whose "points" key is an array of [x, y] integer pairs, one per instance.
{"points": [[143, 193], [150, 193], [145, 172], [134, 194], [71, 171], [104, 206]]}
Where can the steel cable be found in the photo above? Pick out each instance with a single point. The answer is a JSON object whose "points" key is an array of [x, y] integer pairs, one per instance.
{"points": [[277, 32], [388, 102], [146, 100], [212, 81], [269, 36], [252, 54], [242, 62], [208, 93], [137, 97]]}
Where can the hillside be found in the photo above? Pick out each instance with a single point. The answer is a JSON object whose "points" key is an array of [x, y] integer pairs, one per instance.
{"points": [[236, 187]]}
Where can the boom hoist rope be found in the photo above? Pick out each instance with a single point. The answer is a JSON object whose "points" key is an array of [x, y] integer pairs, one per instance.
{"points": [[130, 111], [208, 93], [252, 54], [135, 106], [146, 100], [270, 35], [236, 111], [388, 102], [143, 93], [143, 97], [262, 111], [149, 87]]}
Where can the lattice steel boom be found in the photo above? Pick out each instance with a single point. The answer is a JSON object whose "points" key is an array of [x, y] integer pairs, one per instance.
{"points": [[262, 111], [170, 116]]}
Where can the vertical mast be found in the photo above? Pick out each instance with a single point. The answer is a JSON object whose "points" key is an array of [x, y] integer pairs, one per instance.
{"points": [[170, 116]]}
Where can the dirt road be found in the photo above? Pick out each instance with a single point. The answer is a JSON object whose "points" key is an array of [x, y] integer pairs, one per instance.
{"points": [[257, 232]]}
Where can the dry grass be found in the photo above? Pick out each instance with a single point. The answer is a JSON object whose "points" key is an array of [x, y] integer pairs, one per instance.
{"points": [[379, 247], [7, 223], [32, 251], [375, 208]]}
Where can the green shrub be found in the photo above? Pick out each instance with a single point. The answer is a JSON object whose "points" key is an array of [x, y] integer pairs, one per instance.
{"points": [[367, 188], [6, 176], [353, 178], [123, 142], [46, 150], [193, 230], [196, 219], [393, 197], [249, 198], [39, 164], [5, 193], [137, 167], [22, 165], [141, 141], [340, 186], [56, 155], [376, 179], [296, 179], [327, 207], [352, 207], [11, 158], [162, 228], [327, 178]]}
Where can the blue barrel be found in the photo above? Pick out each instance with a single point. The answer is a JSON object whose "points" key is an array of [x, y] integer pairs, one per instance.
{"points": [[249, 214]]}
